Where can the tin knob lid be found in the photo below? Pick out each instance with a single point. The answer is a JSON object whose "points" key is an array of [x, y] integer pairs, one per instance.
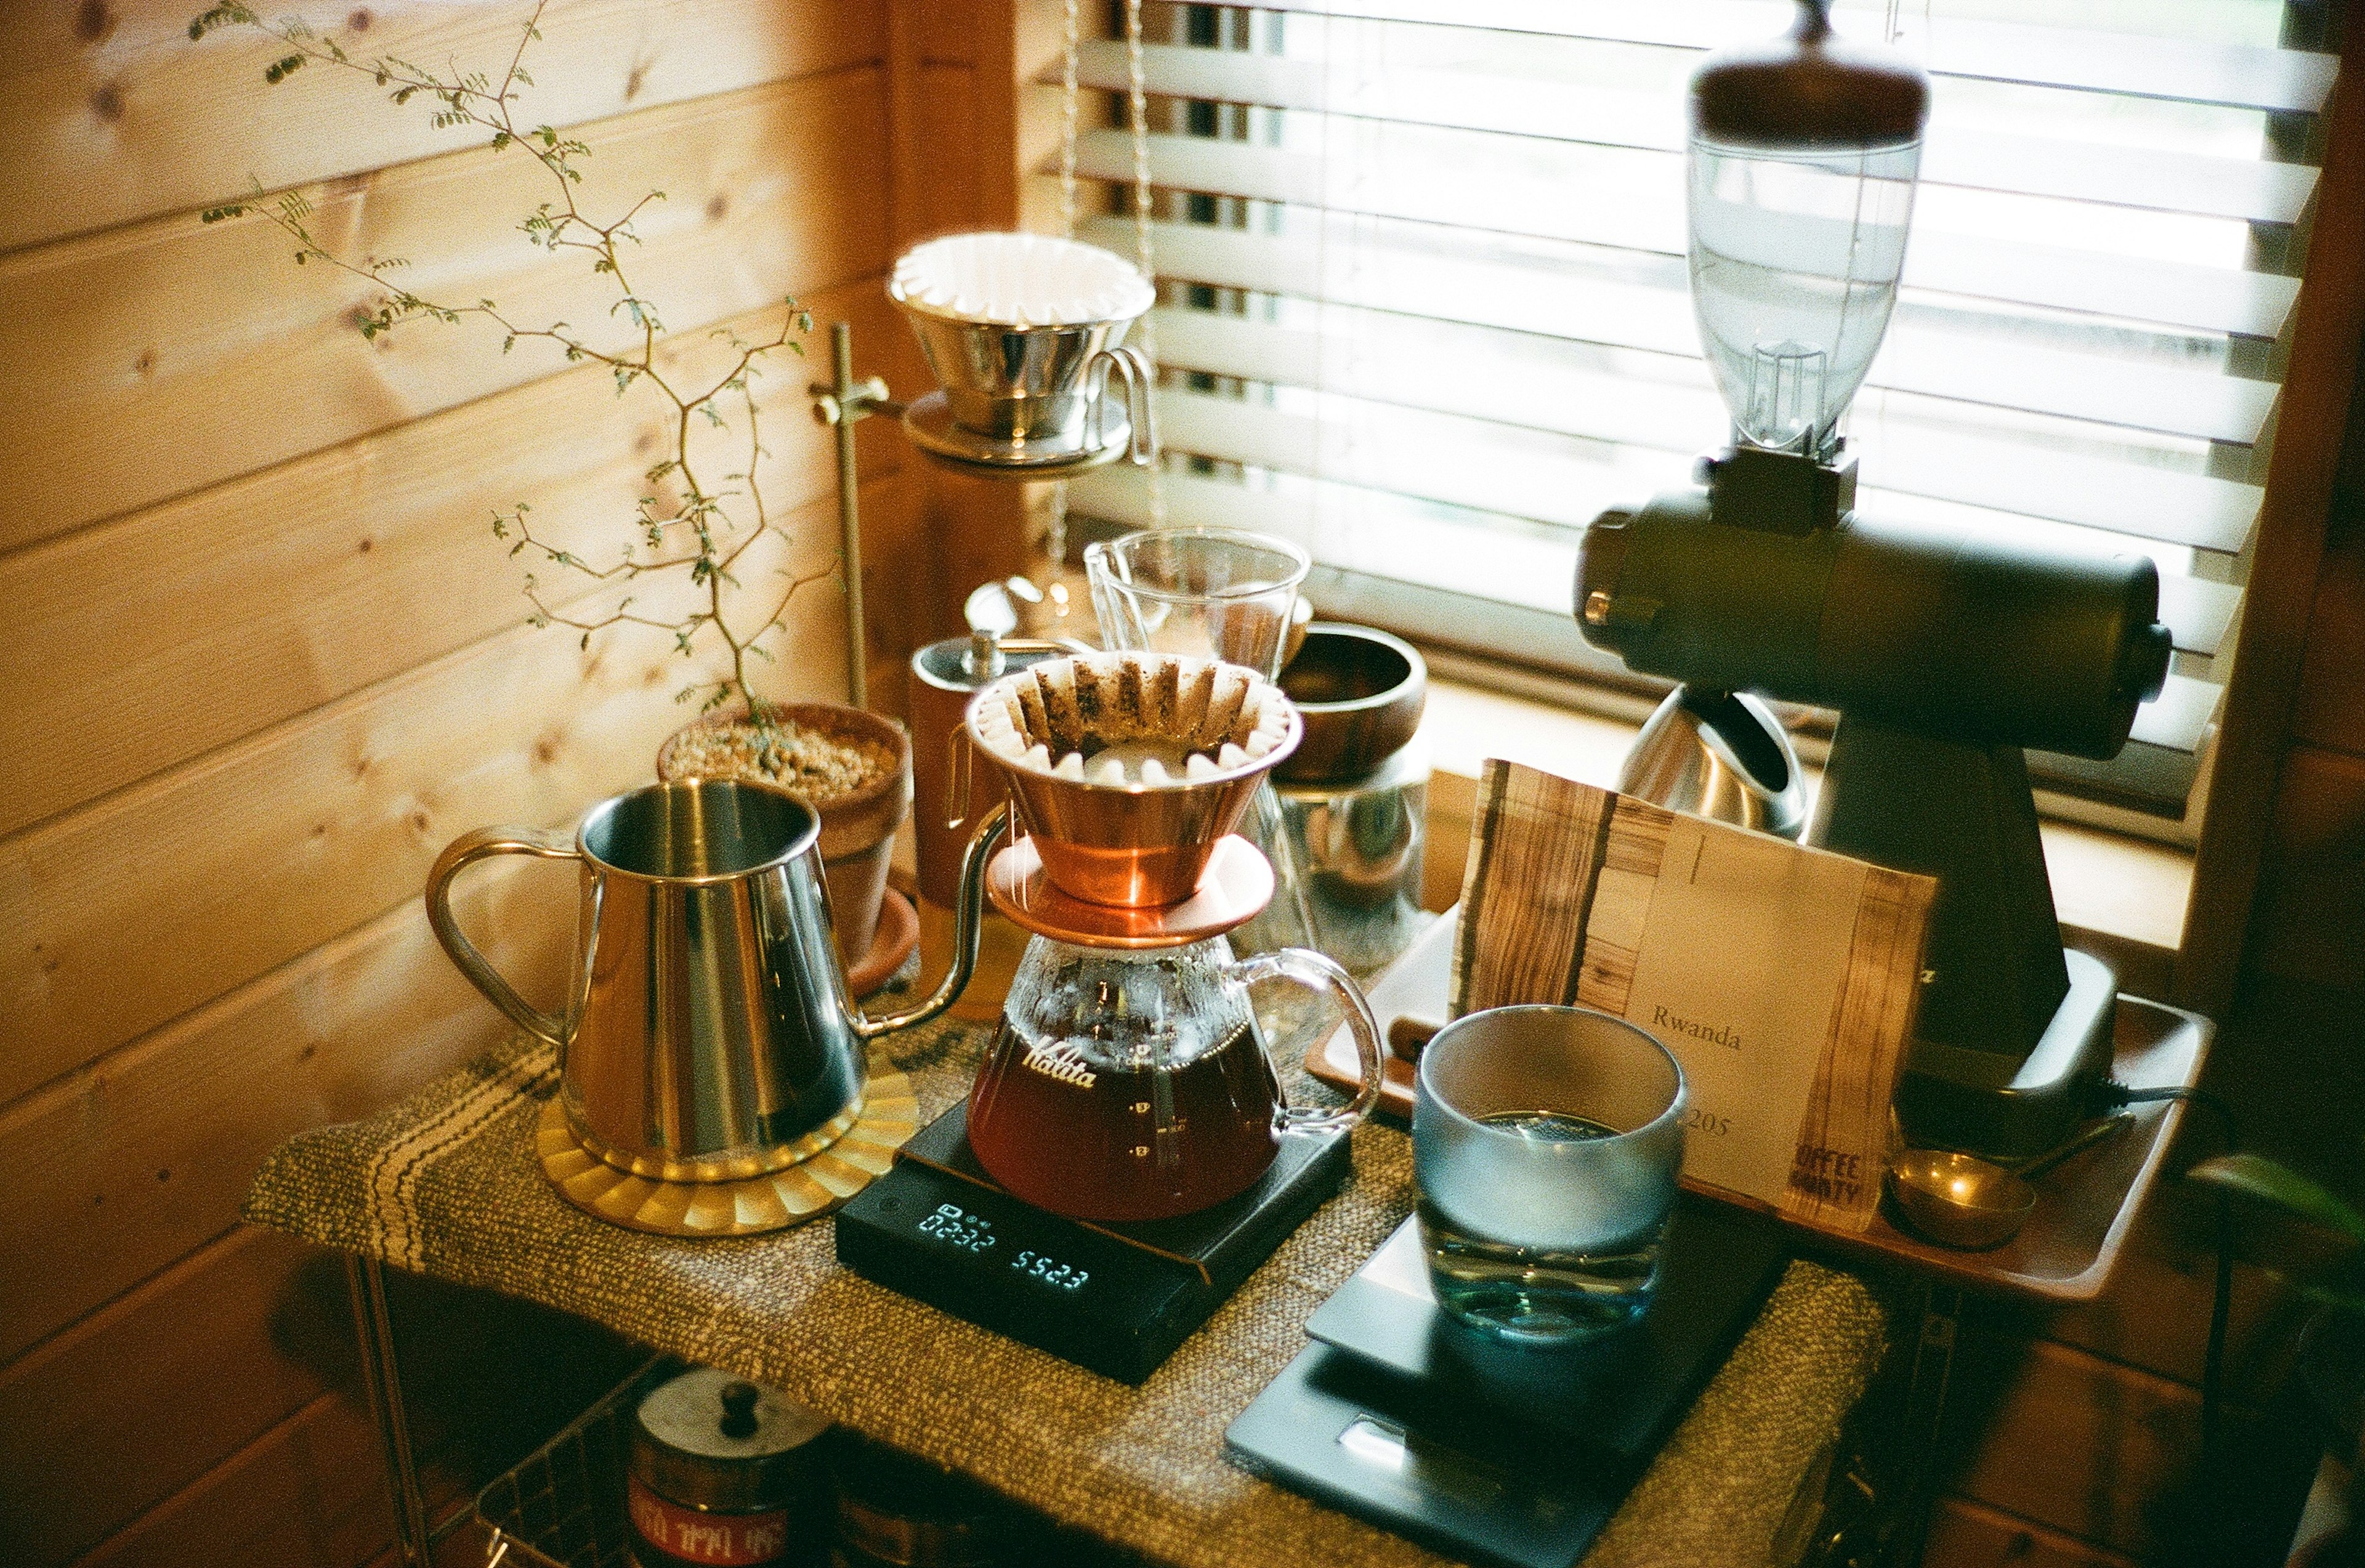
{"points": [[708, 1439]]}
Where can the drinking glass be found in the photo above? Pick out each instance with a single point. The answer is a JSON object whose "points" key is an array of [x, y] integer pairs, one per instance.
{"points": [[1198, 592], [1547, 1142]]}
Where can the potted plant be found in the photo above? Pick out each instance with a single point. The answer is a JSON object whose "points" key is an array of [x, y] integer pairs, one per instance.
{"points": [[698, 558], [2332, 1348], [855, 769]]}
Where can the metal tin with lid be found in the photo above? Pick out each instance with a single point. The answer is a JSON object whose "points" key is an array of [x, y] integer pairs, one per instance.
{"points": [[898, 1511], [950, 791], [725, 1473]]}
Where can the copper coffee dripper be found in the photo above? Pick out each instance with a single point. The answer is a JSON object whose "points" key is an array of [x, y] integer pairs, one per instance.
{"points": [[1135, 847]]}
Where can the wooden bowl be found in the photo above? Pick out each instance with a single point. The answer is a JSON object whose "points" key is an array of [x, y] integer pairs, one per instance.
{"points": [[1361, 693]]}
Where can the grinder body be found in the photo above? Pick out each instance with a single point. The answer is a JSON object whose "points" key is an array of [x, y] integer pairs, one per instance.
{"points": [[1946, 655]]}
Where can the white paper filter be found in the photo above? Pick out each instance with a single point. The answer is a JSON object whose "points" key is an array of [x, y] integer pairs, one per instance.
{"points": [[1020, 280]]}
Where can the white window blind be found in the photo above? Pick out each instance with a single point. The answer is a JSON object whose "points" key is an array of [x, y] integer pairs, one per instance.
{"points": [[1424, 308]]}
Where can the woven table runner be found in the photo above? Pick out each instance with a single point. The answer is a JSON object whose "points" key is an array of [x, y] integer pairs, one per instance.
{"points": [[448, 1184]]}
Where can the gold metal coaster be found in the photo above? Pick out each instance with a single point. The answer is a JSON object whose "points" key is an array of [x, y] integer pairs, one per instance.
{"points": [[750, 1206]]}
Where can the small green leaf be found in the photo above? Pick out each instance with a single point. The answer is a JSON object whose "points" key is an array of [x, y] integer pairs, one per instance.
{"points": [[2258, 1177]]}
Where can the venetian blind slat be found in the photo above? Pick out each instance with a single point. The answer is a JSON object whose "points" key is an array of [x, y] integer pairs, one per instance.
{"points": [[2233, 75], [1436, 185], [2035, 165]]}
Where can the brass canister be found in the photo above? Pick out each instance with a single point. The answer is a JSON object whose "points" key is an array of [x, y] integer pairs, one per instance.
{"points": [[726, 1474], [945, 676]]}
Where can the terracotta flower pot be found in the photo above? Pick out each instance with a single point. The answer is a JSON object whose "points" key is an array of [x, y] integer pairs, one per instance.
{"points": [[857, 829]]}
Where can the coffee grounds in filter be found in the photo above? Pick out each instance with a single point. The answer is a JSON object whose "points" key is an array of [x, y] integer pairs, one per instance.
{"points": [[1122, 719]]}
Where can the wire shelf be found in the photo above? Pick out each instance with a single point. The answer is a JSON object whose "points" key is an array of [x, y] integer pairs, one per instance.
{"points": [[563, 1505]]}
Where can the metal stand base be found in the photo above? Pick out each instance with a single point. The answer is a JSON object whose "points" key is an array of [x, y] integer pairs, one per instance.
{"points": [[382, 1381]]}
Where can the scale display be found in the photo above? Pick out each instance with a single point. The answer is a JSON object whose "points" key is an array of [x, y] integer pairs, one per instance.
{"points": [[1116, 1299]]}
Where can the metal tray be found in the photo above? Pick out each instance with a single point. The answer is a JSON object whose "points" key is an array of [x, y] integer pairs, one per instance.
{"points": [[563, 1505]]}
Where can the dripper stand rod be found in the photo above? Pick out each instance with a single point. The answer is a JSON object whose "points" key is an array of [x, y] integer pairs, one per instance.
{"points": [[845, 403]]}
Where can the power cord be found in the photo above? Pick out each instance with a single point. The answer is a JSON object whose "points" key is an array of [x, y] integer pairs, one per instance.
{"points": [[2108, 1095]]}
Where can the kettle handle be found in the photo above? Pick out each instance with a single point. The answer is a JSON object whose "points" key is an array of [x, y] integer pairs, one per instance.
{"points": [[465, 850], [967, 917], [1311, 969]]}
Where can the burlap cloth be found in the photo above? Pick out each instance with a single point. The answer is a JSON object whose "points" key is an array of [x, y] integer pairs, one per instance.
{"points": [[447, 1184]]}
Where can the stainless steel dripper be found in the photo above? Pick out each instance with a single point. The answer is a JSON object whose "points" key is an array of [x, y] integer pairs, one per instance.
{"points": [[708, 1034], [1024, 332]]}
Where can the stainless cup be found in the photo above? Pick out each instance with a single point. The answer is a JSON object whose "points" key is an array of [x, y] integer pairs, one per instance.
{"points": [[1547, 1142], [1044, 389], [708, 1034]]}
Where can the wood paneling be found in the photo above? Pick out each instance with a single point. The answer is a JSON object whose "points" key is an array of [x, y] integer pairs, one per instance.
{"points": [[304, 829], [2332, 679], [945, 104], [130, 1406], [145, 363], [115, 116], [2083, 1445], [309, 1492], [267, 661], [2155, 1316], [2310, 919], [161, 897], [116, 1171], [212, 616], [237, 859], [1964, 1534]]}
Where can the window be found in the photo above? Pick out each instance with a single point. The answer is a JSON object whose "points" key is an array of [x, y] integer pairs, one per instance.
{"points": [[1424, 301]]}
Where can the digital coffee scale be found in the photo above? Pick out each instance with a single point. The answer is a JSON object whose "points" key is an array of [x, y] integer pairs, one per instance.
{"points": [[1492, 1453], [1116, 1299]]}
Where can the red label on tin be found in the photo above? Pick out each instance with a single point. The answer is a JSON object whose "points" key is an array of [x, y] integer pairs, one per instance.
{"points": [[718, 1540]]}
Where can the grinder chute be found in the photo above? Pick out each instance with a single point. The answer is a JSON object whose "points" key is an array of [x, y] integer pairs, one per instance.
{"points": [[1945, 652]]}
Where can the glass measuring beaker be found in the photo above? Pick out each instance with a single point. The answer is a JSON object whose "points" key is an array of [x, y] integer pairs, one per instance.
{"points": [[1200, 592]]}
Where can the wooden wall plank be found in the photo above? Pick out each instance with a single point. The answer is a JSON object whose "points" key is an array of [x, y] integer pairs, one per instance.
{"points": [[1964, 1534], [2331, 710], [310, 1493], [220, 614], [128, 1416], [146, 362], [352, 1026], [947, 32], [156, 900], [2085, 1446], [945, 104], [130, 1406], [131, 1164], [2310, 918], [115, 116], [2155, 1316]]}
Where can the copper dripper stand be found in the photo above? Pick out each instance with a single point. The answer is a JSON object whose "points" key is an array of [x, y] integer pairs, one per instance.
{"points": [[1233, 890]]}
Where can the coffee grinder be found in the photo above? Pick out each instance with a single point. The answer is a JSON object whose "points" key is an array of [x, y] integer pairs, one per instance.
{"points": [[1946, 652], [1127, 1155]]}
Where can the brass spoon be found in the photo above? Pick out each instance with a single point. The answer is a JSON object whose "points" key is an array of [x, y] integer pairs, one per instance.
{"points": [[1962, 1201]]}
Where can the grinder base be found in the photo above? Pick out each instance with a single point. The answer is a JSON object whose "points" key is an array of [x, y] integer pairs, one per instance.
{"points": [[2003, 1105]]}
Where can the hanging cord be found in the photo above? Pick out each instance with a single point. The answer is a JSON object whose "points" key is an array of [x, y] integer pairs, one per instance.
{"points": [[1145, 253], [1054, 528], [1069, 94]]}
